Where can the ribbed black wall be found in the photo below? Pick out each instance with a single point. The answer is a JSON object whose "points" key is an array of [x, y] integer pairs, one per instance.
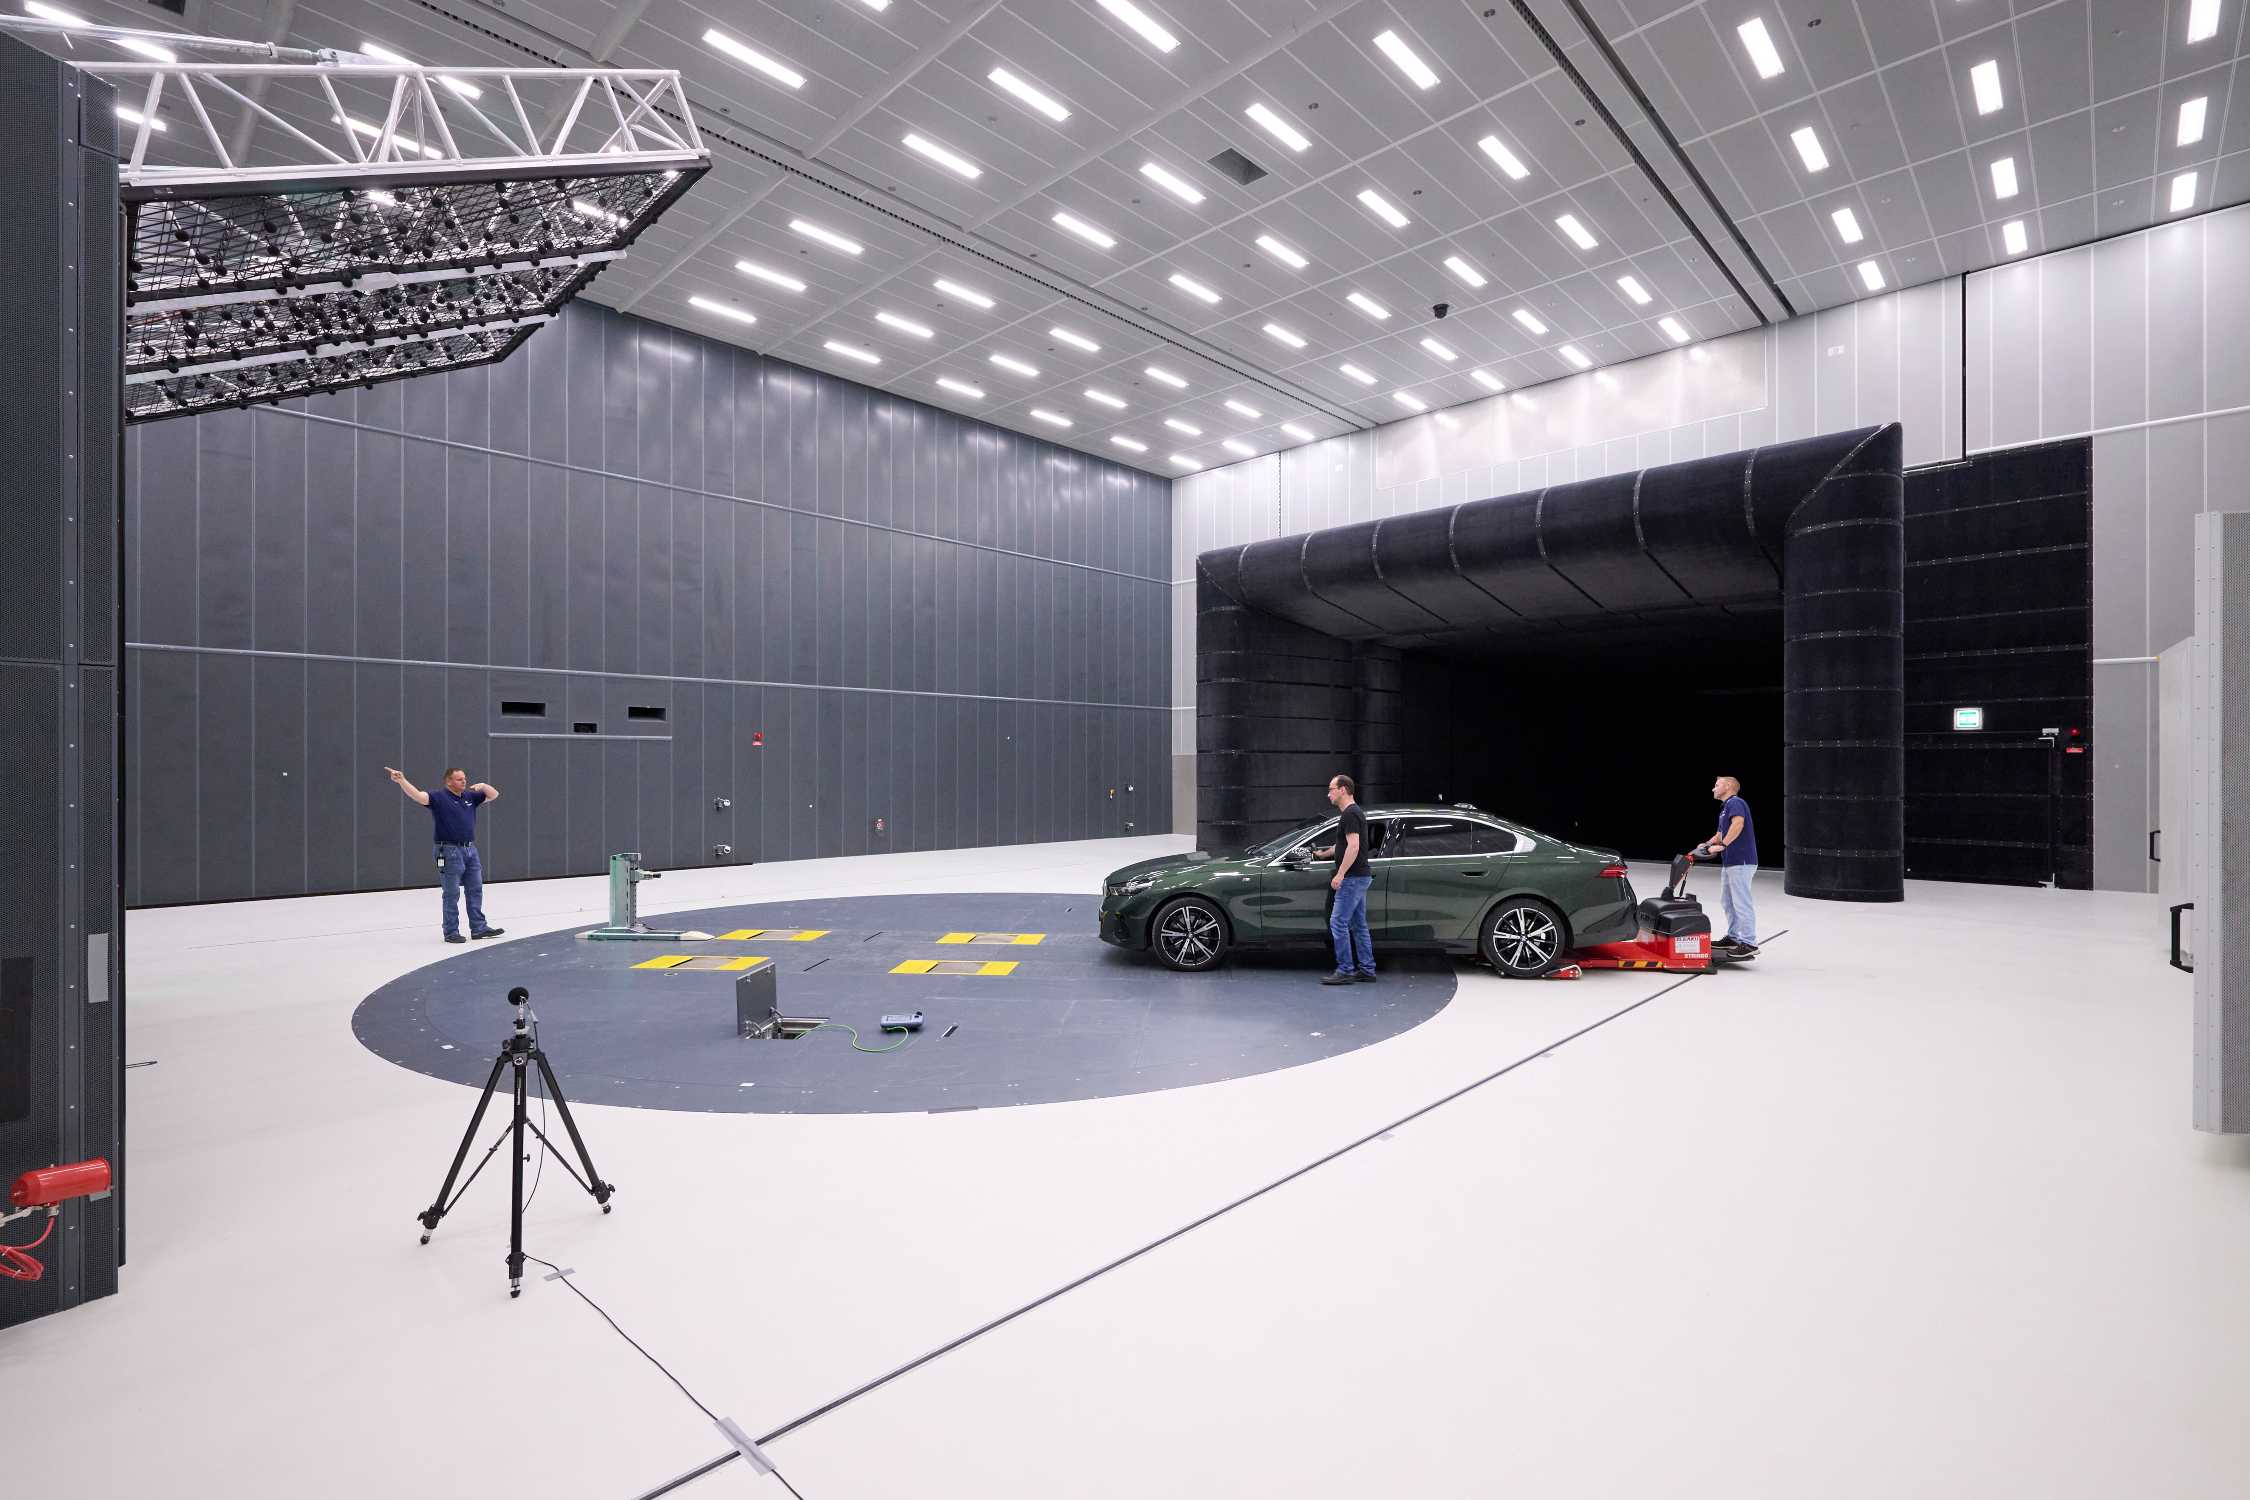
{"points": [[930, 621]]}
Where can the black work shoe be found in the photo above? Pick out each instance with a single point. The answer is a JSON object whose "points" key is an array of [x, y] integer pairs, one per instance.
{"points": [[455, 937], [1363, 979], [488, 932], [1339, 978]]}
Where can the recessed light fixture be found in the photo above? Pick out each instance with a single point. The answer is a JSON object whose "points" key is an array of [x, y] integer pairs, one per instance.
{"points": [[1270, 121], [1369, 306], [1135, 444], [135, 117], [1382, 208], [1871, 275], [828, 237], [1283, 335], [1631, 286], [1281, 252], [751, 58], [373, 195], [1299, 433], [2183, 191], [1143, 23], [1488, 380], [723, 309], [1503, 158], [1187, 427], [1014, 366], [586, 208], [148, 50], [1193, 288], [1405, 60], [1104, 398], [1984, 80], [53, 13], [1172, 182], [1052, 418], [455, 85], [375, 133], [1075, 340], [1847, 226], [1237, 446], [2191, 120], [1758, 42], [1576, 356], [767, 274], [853, 351], [1030, 94], [2012, 236], [1440, 350], [1674, 330], [944, 156], [1241, 410], [1085, 231], [955, 289], [2004, 177], [1186, 462], [1159, 373], [1410, 401], [876, 5], [1568, 224], [904, 325], [1463, 272], [1808, 149], [1356, 373], [1530, 321], [961, 388], [2203, 19]]}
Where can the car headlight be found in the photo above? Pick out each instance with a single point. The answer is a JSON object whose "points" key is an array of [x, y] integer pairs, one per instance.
{"points": [[1129, 887]]}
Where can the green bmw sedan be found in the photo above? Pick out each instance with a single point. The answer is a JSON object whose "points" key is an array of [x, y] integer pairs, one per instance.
{"points": [[1447, 879]]}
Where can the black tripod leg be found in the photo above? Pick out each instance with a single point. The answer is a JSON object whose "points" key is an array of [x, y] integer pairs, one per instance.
{"points": [[436, 1211], [594, 1184], [515, 1205]]}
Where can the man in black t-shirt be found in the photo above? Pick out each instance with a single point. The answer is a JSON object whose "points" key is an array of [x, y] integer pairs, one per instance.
{"points": [[1347, 921]]}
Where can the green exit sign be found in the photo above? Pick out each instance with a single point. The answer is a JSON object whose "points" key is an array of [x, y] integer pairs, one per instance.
{"points": [[1968, 718]]}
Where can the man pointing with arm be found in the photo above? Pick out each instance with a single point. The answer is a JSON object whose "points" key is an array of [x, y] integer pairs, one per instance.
{"points": [[453, 817]]}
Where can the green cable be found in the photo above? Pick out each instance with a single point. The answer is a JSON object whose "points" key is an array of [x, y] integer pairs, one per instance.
{"points": [[856, 1047]]}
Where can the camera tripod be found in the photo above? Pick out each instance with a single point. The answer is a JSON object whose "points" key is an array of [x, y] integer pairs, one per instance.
{"points": [[518, 1051]]}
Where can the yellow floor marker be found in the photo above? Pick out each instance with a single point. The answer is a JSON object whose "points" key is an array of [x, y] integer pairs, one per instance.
{"points": [[916, 966], [702, 962], [774, 934], [954, 966], [666, 961], [1018, 939]]}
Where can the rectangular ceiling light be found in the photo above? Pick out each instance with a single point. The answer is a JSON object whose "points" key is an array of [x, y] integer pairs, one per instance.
{"points": [[1847, 226], [955, 289], [1302, 435], [1085, 231], [1488, 380], [587, 209], [905, 325], [1166, 377], [134, 117], [1014, 366], [1240, 410], [455, 85], [1674, 330], [1463, 272], [1104, 398], [53, 13], [2191, 120], [1631, 286], [1808, 149], [1984, 79], [953, 161], [1356, 373], [853, 351], [1530, 321], [1576, 356], [1758, 42], [1187, 427], [148, 50], [2004, 177], [1282, 253], [1193, 288], [1172, 182], [2203, 19], [1135, 444], [723, 309], [1029, 93], [2183, 192], [1410, 401], [1382, 208], [375, 133], [1237, 446], [771, 277], [1404, 59], [1440, 350], [2012, 236], [1369, 306], [828, 237], [1052, 418], [373, 195], [1143, 23], [1502, 157], [751, 58], [1283, 335], [1871, 275], [1568, 224], [961, 388], [876, 5], [1186, 462], [1270, 121], [1075, 340]]}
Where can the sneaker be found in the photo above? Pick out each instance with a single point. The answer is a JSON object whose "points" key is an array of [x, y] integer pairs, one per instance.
{"points": [[488, 932], [1363, 978], [455, 937], [1339, 977]]}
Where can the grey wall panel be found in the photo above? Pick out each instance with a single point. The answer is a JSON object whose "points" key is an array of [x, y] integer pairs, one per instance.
{"points": [[2175, 319], [2176, 495], [2066, 343], [2121, 548], [378, 715], [653, 575], [2012, 405], [280, 567], [336, 774], [379, 540], [422, 551], [329, 504], [508, 595], [225, 518], [2227, 308], [511, 410], [165, 809], [275, 775], [468, 560], [468, 406], [161, 595], [2120, 276], [224, 763], [2124, 809]]}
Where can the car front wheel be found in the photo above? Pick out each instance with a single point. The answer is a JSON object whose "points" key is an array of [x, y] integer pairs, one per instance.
{"points": [[1189, 935], [1522, 938]]}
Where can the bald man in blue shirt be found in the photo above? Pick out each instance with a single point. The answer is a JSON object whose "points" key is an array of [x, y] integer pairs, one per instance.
{"points": [[453, 819]]}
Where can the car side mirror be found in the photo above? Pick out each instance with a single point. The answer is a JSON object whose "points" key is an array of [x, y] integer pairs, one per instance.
{"points": [[1296, 857]]}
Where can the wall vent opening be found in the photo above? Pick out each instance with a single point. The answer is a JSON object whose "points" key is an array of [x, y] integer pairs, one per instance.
{"points": [[521, 708], [582, 727], [643, 711]]}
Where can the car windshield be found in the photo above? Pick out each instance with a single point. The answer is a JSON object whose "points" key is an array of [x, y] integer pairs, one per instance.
{"points": [[1302, 830]]}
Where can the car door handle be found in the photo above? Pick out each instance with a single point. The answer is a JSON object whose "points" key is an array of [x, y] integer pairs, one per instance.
{"points": [[1472, 874]]}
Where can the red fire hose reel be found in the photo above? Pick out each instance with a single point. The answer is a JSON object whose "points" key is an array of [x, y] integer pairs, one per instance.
{"points": [[46, 1188]]}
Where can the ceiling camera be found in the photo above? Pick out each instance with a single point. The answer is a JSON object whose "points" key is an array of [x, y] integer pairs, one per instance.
{"points": [[1440, 309]]}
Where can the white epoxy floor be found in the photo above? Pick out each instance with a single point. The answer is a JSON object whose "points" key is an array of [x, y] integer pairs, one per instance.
{"points": [[1909, 1208]]}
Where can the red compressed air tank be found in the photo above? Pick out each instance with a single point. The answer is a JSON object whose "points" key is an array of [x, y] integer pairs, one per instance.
{"points": [[46, 1186]]}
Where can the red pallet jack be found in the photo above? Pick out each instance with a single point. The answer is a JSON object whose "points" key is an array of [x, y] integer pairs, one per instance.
{"points": [[1674, 936]]}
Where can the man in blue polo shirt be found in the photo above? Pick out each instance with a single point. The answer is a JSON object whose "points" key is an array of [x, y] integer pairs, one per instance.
{"points": [[1735, 846], [453, 816]]}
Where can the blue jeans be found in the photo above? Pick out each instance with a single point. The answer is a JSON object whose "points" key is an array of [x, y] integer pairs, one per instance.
{"points": [[460, 869], [1734, 898], [1347, 925]]}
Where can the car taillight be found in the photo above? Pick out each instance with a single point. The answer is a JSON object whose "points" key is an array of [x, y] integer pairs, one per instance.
{"points": [[1613, 872]]}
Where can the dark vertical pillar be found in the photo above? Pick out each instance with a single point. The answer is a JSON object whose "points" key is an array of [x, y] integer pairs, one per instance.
{"points": [[61, 950]]}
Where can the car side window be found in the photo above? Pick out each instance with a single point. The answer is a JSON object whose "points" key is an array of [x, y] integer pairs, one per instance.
{"points": [[1440, 838], [1491, 840], [1379, 838]]}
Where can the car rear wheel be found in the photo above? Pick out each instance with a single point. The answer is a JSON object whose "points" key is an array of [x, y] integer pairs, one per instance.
{"points": [[1522, 938], [1189, 935]]}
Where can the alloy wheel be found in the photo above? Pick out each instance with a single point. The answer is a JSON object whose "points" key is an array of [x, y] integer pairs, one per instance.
{"points": [[1189, 935], [1525, 938]]}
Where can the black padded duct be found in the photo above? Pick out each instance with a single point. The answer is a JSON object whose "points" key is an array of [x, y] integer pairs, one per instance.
{"points": [[1299, 638]]}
